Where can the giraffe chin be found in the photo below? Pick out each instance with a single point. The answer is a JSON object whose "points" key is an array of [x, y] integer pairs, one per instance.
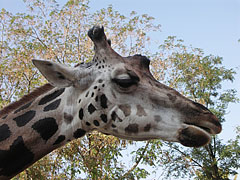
{"points": [[193, 136]]}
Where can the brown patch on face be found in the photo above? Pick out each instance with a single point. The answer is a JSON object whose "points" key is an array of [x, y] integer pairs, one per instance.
{"points": [[126, 109], [132, 128], [158, 102], [147, 127], [172, 98], [157, 118], [141, 111], [68, 117]]}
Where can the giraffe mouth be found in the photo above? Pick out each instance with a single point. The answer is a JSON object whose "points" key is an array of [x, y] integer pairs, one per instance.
{"points": [[194, 136], [208, 130]]}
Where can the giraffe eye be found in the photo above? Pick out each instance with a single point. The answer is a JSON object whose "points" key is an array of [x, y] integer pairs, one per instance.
{"points": [[126, 81]]}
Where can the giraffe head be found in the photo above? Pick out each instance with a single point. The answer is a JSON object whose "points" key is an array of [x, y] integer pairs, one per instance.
{"points": [[119, 96]]}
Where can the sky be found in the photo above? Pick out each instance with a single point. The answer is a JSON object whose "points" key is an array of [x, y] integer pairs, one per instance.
{"points": [[212, 25]]}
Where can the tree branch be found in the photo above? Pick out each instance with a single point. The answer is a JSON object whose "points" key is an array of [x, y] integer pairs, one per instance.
{"points": [[184, 154], [137, 162], [66, 36], [38, 38]]}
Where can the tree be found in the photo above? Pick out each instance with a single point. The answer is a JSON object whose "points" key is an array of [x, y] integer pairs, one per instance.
{"points": [[200, 78], [57, 33]]}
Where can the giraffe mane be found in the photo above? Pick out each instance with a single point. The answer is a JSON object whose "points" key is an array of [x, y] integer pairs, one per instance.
{"points": [[32, 95]]}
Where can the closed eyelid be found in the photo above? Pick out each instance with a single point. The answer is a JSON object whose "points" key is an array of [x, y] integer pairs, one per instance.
{"points": [[125, 83], [123, 76]]}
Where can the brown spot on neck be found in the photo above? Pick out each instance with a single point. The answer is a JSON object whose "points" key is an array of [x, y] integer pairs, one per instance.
{"points": [[25, 99]]}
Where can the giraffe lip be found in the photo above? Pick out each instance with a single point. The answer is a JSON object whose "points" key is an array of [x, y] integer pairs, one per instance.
{"points": [[193, 136], [208, 130], [205, 129]]}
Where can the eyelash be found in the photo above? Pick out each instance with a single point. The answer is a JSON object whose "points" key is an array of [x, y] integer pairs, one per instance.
{"points": [[124, 83]]}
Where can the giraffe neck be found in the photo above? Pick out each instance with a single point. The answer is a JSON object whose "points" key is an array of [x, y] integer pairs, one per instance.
{"points": [[36, 128]]}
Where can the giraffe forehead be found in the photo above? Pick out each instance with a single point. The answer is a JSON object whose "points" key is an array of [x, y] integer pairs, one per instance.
{"points": [[136, 63]]}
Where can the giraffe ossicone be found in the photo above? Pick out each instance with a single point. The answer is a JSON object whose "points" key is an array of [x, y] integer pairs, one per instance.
{"points": [[112, 94]]}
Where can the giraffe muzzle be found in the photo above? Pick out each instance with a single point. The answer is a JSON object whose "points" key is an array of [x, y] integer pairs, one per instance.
{"points": [[199, 133]]}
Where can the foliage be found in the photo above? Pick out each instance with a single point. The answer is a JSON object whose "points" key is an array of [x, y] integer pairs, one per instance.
{"points": [[200, 78]]}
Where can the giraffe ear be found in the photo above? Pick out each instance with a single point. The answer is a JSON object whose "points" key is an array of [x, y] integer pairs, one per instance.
{"points": [[57, 74]]}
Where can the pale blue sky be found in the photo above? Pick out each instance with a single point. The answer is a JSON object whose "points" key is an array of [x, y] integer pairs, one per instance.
{"points": [[212, 25]]}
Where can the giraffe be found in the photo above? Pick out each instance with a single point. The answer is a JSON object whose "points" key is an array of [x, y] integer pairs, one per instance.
{"points": [[112, 94]]}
